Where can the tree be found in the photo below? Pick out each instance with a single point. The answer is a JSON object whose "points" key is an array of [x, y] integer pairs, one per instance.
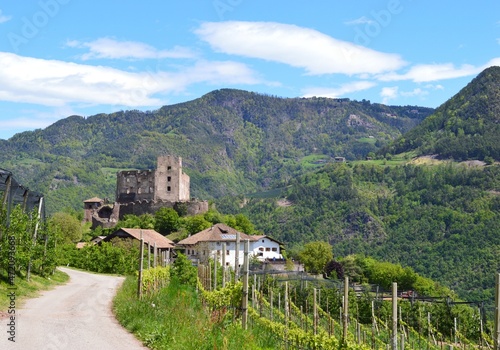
{"points": [[183, 270], [166, 221], [66, 227], [315, 256], [334, 270], [196, 223], [244, 224]]}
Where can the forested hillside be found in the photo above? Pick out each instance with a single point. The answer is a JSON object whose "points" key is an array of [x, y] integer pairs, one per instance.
{"points": [[441, 220], [231, 142], [465, 127]]}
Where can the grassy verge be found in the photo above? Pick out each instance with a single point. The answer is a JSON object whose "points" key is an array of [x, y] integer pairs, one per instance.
{"points": [[25, 290], [175, 319]]}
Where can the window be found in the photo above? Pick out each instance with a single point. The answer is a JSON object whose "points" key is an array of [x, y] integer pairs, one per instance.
{"points": [[261, 249], [262, 241], [268, 249], [168, 189], [227, 264], [169, 167], [227, 252], [274, 249], [169, 178]]}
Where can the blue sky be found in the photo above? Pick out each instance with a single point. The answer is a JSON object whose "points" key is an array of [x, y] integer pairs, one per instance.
{"points": [[65, 57]]}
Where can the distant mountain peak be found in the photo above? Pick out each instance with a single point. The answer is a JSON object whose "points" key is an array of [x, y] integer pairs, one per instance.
{"points": [[467, 126]]}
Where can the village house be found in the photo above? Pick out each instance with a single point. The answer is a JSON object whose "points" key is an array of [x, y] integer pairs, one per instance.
{"points": [[164, 246], [209, 242]]}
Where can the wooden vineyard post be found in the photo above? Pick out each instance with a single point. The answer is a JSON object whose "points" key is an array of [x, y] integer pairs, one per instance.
{"points": [[244, 301], [155, 255], [394, 316], [346, 310], [141, 262], [216, 258], [237, 258], [315, 314], [149, 255], [223, 264]]}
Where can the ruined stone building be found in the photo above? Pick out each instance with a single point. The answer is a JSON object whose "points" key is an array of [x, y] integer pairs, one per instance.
{"points": [[145, 191], [166, 183]]}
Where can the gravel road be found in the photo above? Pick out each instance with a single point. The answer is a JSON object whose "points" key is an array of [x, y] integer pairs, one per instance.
{"points": [[74, 316]]}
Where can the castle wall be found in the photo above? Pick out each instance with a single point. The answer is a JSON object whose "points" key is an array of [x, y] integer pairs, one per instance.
{"points": [[134, 185], [143, 207]]}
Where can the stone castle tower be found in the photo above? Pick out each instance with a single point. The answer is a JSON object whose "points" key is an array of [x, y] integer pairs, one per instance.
{"points": [[171, 184], [166, 183]]}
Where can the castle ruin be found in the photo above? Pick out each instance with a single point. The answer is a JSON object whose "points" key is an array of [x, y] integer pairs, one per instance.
{"points": [[145, 191], [166, 183]]}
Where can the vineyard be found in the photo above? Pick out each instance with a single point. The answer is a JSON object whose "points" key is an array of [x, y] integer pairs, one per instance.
{"points": [[306, 312], [309, 313]]}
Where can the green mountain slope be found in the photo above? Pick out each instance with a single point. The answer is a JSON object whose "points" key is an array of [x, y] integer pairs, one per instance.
{"points": [[231, 142], [465, 127], [441, 220]]}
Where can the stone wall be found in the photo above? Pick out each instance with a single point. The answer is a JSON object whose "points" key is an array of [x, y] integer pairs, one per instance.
{"points": [[149, 206], [135, 185]]}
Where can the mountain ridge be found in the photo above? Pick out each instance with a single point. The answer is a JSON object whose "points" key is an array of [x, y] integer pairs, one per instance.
{"points": [[464, 127], [231, 141]]}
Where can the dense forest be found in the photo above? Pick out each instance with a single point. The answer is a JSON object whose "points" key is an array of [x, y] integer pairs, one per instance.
{"points": [[443, 220], [231, 142]]}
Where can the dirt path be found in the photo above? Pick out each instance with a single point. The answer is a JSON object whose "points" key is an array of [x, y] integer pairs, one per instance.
{"points": [[75, 316]]}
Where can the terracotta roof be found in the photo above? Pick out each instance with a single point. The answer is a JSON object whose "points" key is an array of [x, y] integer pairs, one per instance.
{"points": [[94, 200], [150, 236], [216, 233]]}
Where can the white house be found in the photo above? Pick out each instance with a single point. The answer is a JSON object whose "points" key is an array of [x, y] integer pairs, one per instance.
{"points": [[209, 243]]}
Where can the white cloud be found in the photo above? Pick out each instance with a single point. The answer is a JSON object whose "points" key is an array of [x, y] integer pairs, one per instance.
{"points": [[433, 72], [306, 48], [415, 92], [360, 20], [393, 92], [434, 87], [389, 93], [113, 49], [4, 18], [340, 91], [58, 83]]}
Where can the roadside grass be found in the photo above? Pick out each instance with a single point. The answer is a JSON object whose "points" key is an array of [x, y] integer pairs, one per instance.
{"points": [[174, 318], [25, 290]]}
